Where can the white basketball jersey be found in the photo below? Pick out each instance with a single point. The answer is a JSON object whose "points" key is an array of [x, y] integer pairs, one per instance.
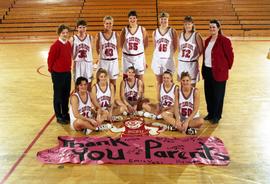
{"points": [[104, 97], [134, 42], [108, 47], [82, 50], [84, 108], [186, 104], [167, 98], [163, 46], [131, 92], [188, 48]]}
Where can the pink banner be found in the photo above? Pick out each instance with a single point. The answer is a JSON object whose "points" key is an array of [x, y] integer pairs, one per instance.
{"points": [[137, 150]]}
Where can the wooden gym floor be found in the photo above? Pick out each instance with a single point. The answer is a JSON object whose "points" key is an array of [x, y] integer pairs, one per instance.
{"points": [[28, 126]]}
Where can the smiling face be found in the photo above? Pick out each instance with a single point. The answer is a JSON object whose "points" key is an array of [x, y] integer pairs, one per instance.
{"points": [[108, 25], [102, 77], [64, 35], [132, 20], [81, 29], [186, 82], [164, 21], [167, 78], [82, 87], [131, 74], [188, 26], [213, 29]]}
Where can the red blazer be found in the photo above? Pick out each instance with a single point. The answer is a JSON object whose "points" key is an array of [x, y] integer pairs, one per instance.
{"points": [[222, 58]]}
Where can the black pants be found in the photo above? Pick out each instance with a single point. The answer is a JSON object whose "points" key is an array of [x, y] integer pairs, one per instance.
{"points": [[214, 94], [61, 91]]}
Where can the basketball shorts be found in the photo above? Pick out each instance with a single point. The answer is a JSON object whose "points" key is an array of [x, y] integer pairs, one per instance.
{"points": [[111, 66], [83, 69], [192, 68], [137, 61]]}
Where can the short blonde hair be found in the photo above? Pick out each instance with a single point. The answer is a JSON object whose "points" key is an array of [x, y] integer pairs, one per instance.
{"points": [[107, 17]]}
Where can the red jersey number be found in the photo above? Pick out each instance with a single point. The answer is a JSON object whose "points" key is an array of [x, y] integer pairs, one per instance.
{"points": [[132, 46], [162, 48], [186, 53]]}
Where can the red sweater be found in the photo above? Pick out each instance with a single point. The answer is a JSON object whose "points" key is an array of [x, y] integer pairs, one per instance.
{"points": [[222, 58], [59, 59]]}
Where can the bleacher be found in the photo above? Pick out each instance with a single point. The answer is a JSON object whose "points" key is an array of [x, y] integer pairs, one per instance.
{"points": [[37, 18], [5, 6]]}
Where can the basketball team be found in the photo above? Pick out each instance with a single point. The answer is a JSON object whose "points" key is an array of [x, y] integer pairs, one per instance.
{"points": [[93, 107]]}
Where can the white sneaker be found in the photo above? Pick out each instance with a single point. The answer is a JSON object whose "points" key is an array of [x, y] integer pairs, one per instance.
{"points": [[171, 128], [140, 113], [117, 118], [153, 116], [147, 115], [191, 131], [87, 131], [103, 127], [159, 117]]}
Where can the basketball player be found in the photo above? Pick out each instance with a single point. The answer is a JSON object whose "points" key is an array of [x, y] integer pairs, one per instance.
{"points": [[133, 41], [165, 96], [103, 98], [165, 44], [186, 107], [131, 91], [81, 116], [190, 49], [82, 44], [107, 48]]}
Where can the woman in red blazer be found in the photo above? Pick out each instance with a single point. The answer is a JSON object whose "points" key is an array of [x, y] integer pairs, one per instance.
{"points": [[217, 61]]}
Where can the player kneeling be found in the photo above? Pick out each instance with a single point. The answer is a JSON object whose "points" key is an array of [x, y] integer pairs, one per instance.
{"points": [[81, 111], [186, 115]]}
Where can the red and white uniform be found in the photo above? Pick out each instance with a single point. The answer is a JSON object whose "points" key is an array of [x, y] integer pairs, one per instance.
{"points": [[167, 98], [132, 92], [186, 104], [108, 54], [188, 56], [104, 97], [163, 53], [84, 109], [83, 57], [133, 51]]}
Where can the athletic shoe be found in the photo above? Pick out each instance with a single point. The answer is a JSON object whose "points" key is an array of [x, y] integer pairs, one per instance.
{"points": [[171, 128], [103, 127], [159, 117], [191, 131], [153, 116], [140, 113], [87, 131], [149, 115], [117, 118]]}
